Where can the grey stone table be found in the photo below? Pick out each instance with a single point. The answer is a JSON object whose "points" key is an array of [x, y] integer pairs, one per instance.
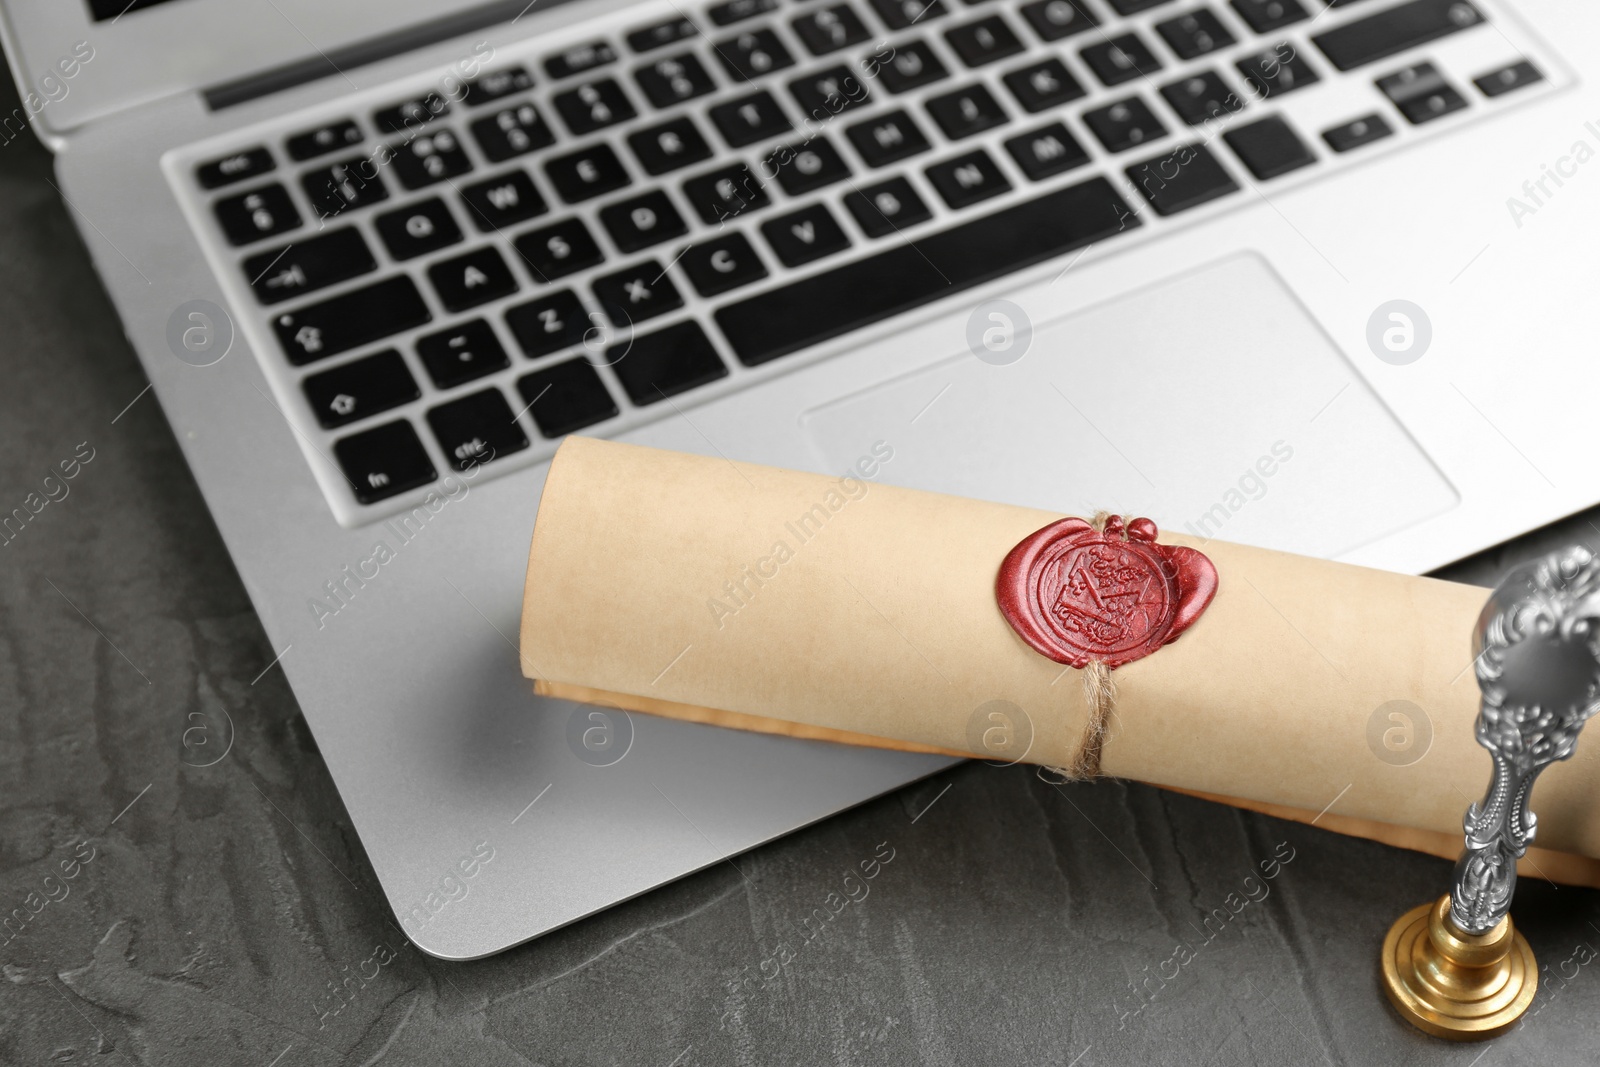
{"points": [[227, 914]]}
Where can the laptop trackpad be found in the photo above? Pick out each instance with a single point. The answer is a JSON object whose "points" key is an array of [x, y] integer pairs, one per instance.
{"points": [[1211, 402]]}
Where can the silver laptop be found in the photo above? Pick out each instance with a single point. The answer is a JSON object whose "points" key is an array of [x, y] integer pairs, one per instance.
{"points": [[1301, 275]]}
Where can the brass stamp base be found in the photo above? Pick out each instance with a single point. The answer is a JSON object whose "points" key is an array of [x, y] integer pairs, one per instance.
{"points": [[1454, 985]]}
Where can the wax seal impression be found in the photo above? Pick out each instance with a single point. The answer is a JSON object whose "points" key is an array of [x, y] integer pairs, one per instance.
{"points": [[1080, 595]]}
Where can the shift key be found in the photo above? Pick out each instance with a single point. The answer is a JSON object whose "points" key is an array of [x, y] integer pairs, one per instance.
{"points": [[1394, 30], [358, 317]]}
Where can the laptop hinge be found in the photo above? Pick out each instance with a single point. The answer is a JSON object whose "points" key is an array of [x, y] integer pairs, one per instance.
{"points": [[374, 50]]}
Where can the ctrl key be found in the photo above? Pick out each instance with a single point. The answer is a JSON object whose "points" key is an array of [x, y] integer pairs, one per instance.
{"points": [[385, 461], [477, 429]]}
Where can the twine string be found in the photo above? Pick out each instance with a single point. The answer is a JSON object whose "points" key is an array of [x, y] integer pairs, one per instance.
{"points": [[1100, 697]]}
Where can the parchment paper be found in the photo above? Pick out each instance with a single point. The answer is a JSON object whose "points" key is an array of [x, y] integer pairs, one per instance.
{"points": [[838, 608]]}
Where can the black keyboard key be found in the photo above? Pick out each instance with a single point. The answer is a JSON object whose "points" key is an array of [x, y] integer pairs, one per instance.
{"points": [[643, 221], [752, 55], [1121, 59], [1202, 97], [1277, 71], [905, 276], [550, 323], [594, 106], [904, 14], [1358, 132], [1043, 85], [1269, 147], [350, 183], [805, 235], [419, 228], [250, 163], [649, 38], [1047, 152], [1133, 7], [1185, 177], [496, 85], [558, 250], [1393, 30], [259, 213], [966, 112], [466, 351], [323, 139], [673, 80], [913, 66], [475, 278], [830, 29], [477, 429], [655, 366], [887, 207], [350, 320], [580, 58], [750, 119], [587, 173], [356, 390], [1125, 124], [983, 41], [1516, 76], [721, 264], [726, 14], [725, 193], [1421, 93], [888, 138], [669, 146], [503, 201], [429, 158], [384, 461], [805, 167], [512, 132], [284, 273], [967, 179], [1195, 34], [826, 93], [566, 397], [1264, 16], [641, 292], [1055, 19], [410, 114]]}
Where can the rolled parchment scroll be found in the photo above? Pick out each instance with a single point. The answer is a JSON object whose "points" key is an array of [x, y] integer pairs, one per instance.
{"points": [[842, 609]]}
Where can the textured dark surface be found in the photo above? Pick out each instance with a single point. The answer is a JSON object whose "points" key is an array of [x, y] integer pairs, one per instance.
{"points": [[216, 916]]}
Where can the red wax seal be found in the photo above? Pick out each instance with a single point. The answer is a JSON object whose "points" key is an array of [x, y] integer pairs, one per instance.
{"points": [[1078, 596]]}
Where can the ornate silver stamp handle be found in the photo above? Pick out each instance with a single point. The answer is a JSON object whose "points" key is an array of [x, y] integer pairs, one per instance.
{"points": [[1457, 967], [1537, 659]]}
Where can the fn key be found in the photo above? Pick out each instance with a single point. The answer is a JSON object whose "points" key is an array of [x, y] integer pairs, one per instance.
{"points": [[382, 462]]}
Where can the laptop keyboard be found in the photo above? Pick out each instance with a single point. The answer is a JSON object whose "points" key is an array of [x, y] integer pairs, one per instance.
{"points": [[574, 239]]}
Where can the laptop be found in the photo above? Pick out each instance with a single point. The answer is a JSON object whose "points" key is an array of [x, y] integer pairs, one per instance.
{"points": [[1284, 272]]}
